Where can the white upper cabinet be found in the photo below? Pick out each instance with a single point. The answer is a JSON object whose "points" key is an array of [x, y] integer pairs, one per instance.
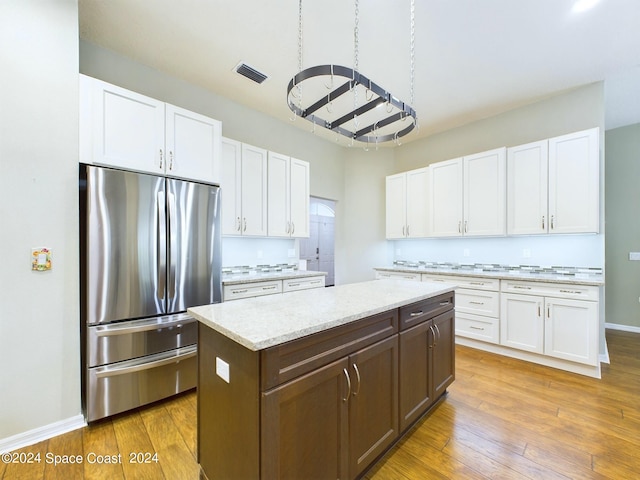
{"points": [[244, 189], [574, 182], [527, 211], [287, 196], [468, 195], [192, 144], [553, 186], [446, 198], [124, 129], [407, 202]]}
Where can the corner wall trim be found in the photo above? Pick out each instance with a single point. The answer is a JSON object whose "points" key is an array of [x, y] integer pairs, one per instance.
{"points": [[41, 433], [624, 328]]}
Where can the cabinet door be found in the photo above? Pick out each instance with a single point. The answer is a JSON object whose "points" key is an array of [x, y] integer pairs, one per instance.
{"points": [[254, 191], [574, 182], [278, 195], [231, 187], [443, 353], [527, 189], [128, 129], [522, 322], [418, 203], [415, 373], [484, 193], [446, 198], [299, 200], [305, 426], [193, 145], [373, 404], [571, 330], [396, 206]]}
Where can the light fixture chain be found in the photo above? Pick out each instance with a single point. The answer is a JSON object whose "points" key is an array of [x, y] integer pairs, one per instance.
{"points": [[299, 87], [356, 40], [412, 52]]}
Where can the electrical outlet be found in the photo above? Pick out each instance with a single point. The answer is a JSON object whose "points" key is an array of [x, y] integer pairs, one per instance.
{"points": [[222, 369], [634, 255]]}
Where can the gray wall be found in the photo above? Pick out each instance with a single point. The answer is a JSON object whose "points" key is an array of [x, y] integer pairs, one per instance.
{"points": [[39, 332], [623, 225]]}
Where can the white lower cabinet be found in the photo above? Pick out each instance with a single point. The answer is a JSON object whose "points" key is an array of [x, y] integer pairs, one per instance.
{"points": [[270, 287], [556, 320]]}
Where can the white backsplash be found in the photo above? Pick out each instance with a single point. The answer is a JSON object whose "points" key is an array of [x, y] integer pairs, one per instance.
{"points": [[259, 251], [547, 250]]}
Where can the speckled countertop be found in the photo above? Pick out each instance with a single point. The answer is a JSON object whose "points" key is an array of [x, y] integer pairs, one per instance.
{"points": [[533, 273], [252, 276], [262, 322]]}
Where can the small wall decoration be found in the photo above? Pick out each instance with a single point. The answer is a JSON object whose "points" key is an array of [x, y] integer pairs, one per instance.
{"points": [[41, 259]]}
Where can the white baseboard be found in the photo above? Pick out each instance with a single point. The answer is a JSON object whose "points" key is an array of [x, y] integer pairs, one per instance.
{"points": [[624, 328], [41, 433]]}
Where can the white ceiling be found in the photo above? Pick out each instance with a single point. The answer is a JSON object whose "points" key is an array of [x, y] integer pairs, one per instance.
{"points": [[473, 58]]}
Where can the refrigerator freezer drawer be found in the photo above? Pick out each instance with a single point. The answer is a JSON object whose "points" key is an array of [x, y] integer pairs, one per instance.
{"points": [[125, 385], [126, 340]]}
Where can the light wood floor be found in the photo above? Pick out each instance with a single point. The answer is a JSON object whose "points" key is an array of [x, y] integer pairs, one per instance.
{"points": [[502, 418]]}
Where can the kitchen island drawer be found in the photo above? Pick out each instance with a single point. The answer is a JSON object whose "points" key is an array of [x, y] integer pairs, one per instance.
{"points": [[246, 290], [486, 329], [293, 284], [422, 311]]}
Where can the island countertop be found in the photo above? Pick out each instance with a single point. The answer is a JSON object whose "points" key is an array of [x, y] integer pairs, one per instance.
{"points": [[263, 322]]}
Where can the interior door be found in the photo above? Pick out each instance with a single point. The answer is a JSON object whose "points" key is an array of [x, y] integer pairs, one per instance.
{"points": [[194, 245]]}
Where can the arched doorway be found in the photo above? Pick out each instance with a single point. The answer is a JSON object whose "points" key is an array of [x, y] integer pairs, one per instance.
{"points": [[319, 249]]}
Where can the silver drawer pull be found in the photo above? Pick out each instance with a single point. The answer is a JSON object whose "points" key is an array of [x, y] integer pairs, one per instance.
{"points": [[442, 304], [240, 291], [476, 303], [416, 314], [294, 284], [476, 283], [521, 287], [272, 287], [571, 291], [476, 328]]}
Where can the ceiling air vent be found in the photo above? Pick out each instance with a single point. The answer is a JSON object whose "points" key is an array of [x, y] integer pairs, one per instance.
{"points": [[250, 72]]}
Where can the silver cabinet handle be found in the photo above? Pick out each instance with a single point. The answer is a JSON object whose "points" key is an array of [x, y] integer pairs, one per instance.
{"points": [[288, 228], [293, 228], [272, 287], [578, 292], [240, 291], [416, 314], [346, 374], [466, 226], [542, 222], [403, 231], [460, 226], [408, 234], [239, 223], [245, 225], [539, 310], [476, 283], [553, 223], [161, 160], [355, 367], [437, 330], [442, 304], [549, 311], [170, 160], [521, 287], [473, 302], [476, 328], [433, 334]]}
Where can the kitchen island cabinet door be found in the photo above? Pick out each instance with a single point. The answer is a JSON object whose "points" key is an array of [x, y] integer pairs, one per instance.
{"points": [[373, 403], [305, 426], [416, 393], [443, 353]]}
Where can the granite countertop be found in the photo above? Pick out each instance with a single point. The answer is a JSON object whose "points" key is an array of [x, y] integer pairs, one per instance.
{"points": [[262, 322], [253, 276], [571, 275]]}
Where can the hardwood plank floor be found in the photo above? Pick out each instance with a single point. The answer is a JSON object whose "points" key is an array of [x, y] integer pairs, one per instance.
{"points": [[501, 419]]}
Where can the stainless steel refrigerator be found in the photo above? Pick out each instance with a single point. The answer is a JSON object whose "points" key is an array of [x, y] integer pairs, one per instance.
{"points": [[150, 248]]}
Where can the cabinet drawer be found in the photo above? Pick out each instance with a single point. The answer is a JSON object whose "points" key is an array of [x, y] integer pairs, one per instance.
{"points": [[293, 284], [422, 311], [478, 302], [477, 327], [478, 283], [558, 290], [285, 362], [246, 290], [398, 276]]}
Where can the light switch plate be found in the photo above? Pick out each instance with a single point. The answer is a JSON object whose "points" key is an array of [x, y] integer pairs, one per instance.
{"points": [[41, 259], [634, 255], [222, 369]]}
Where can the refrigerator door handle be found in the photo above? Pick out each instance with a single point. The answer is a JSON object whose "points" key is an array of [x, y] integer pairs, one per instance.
{"points": [[161, 259], [172, 244]]}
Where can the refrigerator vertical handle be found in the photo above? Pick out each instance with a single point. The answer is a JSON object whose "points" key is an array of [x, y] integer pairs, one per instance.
{"points": [[172, 244], [161, 251]]}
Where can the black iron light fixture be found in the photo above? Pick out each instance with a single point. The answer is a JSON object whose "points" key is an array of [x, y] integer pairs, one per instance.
{"points": [[371, 114]]}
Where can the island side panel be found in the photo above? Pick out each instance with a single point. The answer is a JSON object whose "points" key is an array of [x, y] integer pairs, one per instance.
{"points": [[228, 412]]}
